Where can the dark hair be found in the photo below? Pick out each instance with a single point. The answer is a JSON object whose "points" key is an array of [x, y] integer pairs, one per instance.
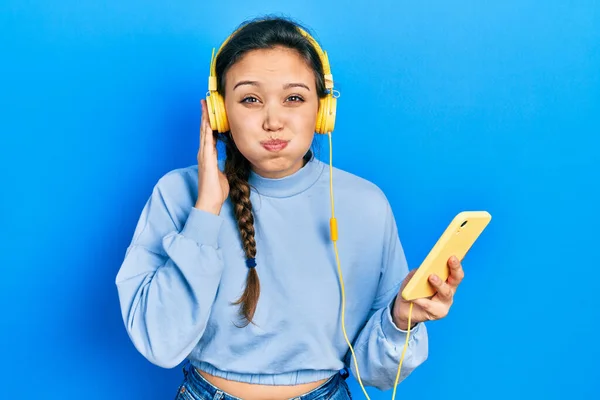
{"points": [[262, 33]]}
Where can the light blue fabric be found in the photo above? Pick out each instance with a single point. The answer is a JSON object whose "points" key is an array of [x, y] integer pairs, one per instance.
{"points": [[185, 267]]}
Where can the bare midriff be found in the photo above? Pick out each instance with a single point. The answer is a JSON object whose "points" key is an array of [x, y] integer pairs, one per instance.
{"points": [[251, 391]]}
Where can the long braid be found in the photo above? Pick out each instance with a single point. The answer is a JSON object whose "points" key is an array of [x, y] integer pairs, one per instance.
{"points": [[237, 170]]}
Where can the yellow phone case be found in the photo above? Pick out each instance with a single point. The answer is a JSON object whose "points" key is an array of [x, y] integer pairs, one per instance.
{"points": [[456, 240]]}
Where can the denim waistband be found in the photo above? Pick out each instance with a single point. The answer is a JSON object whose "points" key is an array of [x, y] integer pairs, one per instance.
{"points": [[203, 388]]}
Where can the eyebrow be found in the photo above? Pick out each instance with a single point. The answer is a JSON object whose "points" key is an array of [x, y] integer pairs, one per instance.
{"points": [[286, 86]]}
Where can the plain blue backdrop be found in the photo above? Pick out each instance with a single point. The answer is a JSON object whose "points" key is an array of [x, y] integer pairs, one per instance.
{"points": [[446, 106]]}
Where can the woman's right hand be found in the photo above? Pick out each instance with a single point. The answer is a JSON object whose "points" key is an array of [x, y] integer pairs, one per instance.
{"points": [[213, 187]]}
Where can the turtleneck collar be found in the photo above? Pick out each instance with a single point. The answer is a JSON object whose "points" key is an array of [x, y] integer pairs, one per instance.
{"points": [[290, 185]]}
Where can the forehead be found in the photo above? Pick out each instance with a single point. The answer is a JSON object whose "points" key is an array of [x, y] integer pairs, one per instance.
{"points": [[271, 66]]}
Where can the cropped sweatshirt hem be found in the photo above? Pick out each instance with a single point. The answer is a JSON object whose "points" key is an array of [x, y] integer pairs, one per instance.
{"points": [[283, 379]]}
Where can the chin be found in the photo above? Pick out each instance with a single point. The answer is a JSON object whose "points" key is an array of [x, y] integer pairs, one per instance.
{"points": [[277, 166]]}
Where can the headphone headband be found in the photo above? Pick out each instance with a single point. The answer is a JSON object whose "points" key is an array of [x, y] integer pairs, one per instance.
{"points": [[212, 79]]}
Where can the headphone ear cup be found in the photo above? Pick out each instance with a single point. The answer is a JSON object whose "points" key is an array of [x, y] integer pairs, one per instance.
{"points": [[326, 114], [216, 112], [211, 112]]}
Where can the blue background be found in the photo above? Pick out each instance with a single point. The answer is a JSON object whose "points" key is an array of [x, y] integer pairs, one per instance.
{"points": [[445, 105]]}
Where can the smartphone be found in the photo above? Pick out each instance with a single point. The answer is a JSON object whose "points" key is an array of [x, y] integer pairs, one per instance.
{"points": [[456, 240]]}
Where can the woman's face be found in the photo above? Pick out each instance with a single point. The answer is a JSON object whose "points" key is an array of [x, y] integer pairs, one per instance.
{"points": [[271, 103]]}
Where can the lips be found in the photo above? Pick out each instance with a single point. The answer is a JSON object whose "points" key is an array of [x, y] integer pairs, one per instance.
{"points": [[274, 144]]}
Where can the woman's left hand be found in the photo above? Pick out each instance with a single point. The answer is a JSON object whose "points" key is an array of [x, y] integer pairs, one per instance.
{"points": [[428, 309]]}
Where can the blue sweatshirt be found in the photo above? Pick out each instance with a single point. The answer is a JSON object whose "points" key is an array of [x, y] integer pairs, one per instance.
{"points": [[184, 268]]}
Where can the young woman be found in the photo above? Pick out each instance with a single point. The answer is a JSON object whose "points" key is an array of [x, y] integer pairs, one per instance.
{"points": [[232, 267]]}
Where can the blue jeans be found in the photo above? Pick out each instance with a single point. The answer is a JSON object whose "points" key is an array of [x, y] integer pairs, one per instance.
{"points": [[195, 387]]}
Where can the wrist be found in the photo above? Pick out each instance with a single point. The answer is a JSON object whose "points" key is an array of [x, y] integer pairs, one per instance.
{"points": [[401, 323], [211, 208]]}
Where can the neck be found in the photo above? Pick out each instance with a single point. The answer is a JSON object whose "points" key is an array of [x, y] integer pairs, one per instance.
{"points": [[304, 176]]}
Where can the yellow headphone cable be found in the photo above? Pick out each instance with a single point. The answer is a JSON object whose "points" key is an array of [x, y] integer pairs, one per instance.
{"points": [[334, 238]]}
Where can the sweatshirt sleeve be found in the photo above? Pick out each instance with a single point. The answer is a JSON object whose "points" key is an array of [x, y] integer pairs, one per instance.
{"points": [[168, 280], [380, 343]]}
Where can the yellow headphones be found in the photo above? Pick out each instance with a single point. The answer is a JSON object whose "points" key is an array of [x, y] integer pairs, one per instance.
{"points": [[327, 104]]}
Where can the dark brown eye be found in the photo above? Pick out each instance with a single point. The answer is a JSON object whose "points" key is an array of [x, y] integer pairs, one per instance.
{"points": [[249, 99]]}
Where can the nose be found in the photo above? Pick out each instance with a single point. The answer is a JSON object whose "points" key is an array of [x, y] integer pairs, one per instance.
{"points": [[273, 120]]}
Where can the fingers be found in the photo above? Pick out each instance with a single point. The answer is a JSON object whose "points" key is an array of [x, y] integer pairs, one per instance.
{"points": [[433, 309], [202, 131], [207, 141], [444, 291], [456, 272], [208, 144], [207, 135], [439, 305]]}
